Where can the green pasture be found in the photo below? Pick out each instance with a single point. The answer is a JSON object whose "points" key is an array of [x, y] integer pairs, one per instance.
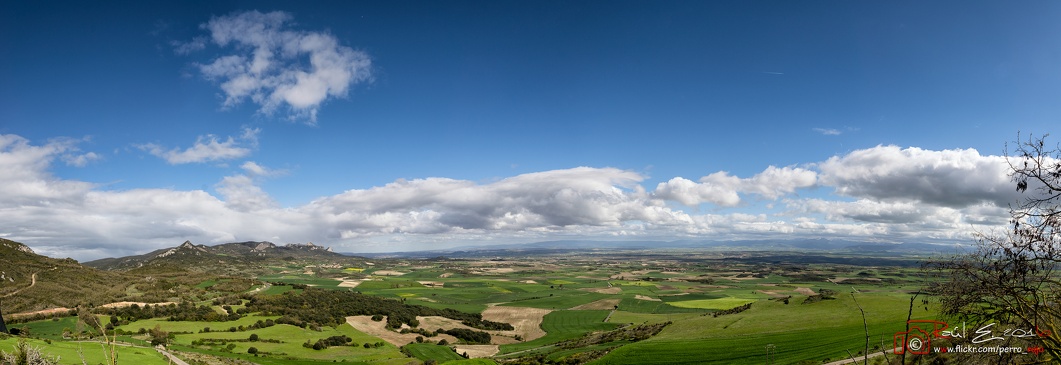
{"points": [[560, 299], [50, 329], [277, 290], [631, 304], [717, 304], [816, 332], [388, 284], [190, 326], [564, 325], [291, 340], [92, 350], [302, 279], [427, 351], [621, 316]]}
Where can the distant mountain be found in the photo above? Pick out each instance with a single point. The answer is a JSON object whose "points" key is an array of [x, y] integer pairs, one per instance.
{"points": [[796, 245], [228, 256]]}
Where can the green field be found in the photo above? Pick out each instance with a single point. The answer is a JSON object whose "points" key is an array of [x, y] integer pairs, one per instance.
{"points": [[719, 304], [817, 331], [290, 343], [564, 325], [425, 352], [92, 351], [686, 292]]}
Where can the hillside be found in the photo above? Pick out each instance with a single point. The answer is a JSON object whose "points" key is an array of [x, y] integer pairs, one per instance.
{"points": [[230, 258], [31, 282]]}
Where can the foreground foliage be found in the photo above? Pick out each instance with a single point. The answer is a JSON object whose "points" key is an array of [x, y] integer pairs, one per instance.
{"points": [[1012, 278]]}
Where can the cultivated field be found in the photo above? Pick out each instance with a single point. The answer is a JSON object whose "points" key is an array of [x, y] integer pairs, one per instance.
{"points": [[593, 308]]}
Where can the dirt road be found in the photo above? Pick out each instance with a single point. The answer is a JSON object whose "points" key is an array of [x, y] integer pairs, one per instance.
{"points": [[32, 282]]}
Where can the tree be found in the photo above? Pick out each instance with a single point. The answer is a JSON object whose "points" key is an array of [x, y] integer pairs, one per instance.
{"points": [[252, 350], [253, 337], [158, 336], [1011, 278]]}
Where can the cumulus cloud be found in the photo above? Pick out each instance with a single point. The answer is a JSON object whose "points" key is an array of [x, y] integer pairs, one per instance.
{"points": [[26, 179], [277, 67], [207, 148], [718, 188], [242, 194], [950, 178], [722, 189], [71, 217], [547, 200]]}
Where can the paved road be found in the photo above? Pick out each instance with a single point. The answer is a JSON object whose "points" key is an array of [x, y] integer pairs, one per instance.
{"points": [[859, 358]]}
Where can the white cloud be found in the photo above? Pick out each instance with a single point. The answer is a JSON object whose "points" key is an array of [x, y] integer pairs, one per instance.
{"points": [[207, 148], [277, 67], [241, 193], [722, 189], [718, 188], [194, 45], [81, 160], [775, 182], [828, 131], [26, 179], [256, 170], [950, 178], [71, 217]]}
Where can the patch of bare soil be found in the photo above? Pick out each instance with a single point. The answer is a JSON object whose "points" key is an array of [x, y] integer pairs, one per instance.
{"points": [[432, 284], [445, 275], [388, 273], [642, 297], [379, 329], [611, 290], [603, 304], [350, 283], [624, 276], [529, 282], [477, 351], [526, 321], [805, 291], [772, 293], [46, 312]]}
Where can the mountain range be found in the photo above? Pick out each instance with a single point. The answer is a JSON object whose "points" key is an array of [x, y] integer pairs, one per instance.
{"points": [[239, 254], [795, 245]]}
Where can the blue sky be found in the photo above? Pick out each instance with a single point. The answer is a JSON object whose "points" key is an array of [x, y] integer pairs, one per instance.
{"points": [[383, 126]]}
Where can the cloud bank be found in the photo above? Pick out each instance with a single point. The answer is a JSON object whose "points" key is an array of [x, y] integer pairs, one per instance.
{"points": [[276, 67], [884, 193]]}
